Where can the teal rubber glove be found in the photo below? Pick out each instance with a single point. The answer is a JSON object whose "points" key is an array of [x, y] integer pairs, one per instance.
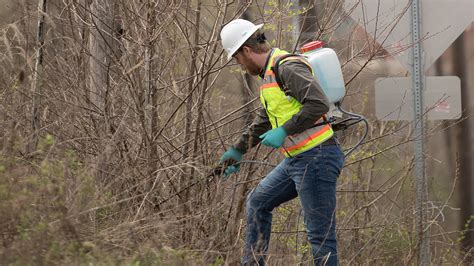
{"points": [[230, 157], [274, 138], [231, 169]]}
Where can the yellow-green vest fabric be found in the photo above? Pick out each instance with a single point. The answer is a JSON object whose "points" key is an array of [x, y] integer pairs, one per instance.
{"points": [[280, 108]]}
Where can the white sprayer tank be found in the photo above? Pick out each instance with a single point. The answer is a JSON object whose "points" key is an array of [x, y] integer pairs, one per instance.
{"points": [[326, 68]]}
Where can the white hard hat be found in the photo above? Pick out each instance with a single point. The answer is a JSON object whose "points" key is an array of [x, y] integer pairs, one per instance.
{"points": [[235, 33]]}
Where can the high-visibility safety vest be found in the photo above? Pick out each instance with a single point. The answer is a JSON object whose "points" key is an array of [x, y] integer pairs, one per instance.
{"points": [[280, 108]]}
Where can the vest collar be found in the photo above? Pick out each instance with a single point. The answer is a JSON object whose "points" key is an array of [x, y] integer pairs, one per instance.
{"points": [[264, 69]]}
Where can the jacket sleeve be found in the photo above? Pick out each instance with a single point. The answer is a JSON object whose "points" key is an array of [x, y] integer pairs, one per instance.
{"points": [[250, 137], [306, 90]]}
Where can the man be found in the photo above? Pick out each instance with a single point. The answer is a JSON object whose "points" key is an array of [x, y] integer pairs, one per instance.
{"points": [[293, 121]]}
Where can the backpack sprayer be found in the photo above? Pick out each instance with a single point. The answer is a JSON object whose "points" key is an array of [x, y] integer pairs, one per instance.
{"points": [[327, 70]]}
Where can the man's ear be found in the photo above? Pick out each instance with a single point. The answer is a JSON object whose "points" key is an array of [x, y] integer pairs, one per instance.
{"points": [[246, 49]]}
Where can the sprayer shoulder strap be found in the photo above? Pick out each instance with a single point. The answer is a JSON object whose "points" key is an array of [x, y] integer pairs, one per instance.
{"points": [[279, 61]]}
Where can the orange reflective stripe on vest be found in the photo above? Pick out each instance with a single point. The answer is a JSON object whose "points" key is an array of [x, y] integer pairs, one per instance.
{"points": [[308, 139], [269, 85]]}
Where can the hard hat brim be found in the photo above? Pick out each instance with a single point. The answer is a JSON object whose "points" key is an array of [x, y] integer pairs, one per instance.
{"points": [[243, 40]]}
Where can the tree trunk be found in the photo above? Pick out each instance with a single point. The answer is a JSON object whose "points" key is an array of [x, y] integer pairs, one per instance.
{"points": [[150, 100], [247, 87], [193, 75], [464, 148], [309, 22], [37, 73], [101, 43]]}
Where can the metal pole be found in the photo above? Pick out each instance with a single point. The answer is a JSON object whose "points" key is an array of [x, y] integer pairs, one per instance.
{"points": [[420, 174]]}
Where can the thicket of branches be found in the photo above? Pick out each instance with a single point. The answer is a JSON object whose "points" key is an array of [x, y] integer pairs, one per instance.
{"points": [[106, 152]]}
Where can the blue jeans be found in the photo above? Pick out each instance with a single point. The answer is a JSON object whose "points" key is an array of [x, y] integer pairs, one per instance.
{"points": [[312, 176]]}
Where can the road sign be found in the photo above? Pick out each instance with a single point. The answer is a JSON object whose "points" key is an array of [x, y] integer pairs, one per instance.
{"points": [[388, 22], [394, 98]]}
